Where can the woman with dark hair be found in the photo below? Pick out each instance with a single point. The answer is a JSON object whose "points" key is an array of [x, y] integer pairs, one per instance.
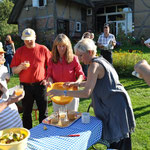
{"points": [[10, 51]]}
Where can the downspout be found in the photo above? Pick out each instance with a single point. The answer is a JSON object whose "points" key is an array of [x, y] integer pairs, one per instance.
{"points": [[55, 17]]}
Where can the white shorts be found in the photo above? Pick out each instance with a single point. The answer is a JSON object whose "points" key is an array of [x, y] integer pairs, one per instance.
{"points": [[71, 106]]}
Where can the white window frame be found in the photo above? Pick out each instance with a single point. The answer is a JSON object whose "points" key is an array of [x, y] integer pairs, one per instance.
{"points": [[78, 26], [35, 3], [89, 9]]}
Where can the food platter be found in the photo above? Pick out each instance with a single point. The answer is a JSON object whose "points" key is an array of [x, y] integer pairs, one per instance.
{"points": [[58, 122], [61, 100]]}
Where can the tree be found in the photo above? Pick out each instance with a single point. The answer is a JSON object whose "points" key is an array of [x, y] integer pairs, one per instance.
{"points": [[5, 10]]}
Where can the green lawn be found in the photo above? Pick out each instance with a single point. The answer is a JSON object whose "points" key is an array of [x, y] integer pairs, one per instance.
{"points": [[140, 96]]}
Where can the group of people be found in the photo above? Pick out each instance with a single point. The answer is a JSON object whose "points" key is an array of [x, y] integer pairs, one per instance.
{"points": [[110, 100]]}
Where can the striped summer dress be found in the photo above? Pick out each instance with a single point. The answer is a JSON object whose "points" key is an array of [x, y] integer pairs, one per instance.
{"points": [[9, 117]]}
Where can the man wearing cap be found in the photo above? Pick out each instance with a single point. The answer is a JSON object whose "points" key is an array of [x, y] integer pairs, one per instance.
{"points": [[4, 75], [106, 43], [30, 62]]}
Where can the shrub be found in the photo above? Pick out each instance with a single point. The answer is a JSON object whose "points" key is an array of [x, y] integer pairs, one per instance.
{"points": [[124, 61]]}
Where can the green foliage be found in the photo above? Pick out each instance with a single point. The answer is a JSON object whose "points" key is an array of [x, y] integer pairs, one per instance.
{"points": [[124, 59], [5, 10]]}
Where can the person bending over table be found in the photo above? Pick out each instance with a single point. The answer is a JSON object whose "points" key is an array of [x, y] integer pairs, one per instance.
{"points": [[9, 116], [110, 100], [64, 66], [143, 68], [30, 62]]}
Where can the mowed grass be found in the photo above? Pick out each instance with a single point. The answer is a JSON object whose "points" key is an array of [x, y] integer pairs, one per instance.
{"points": [[139, 92]]}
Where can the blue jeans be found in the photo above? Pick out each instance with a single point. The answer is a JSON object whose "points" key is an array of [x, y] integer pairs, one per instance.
{"points": [[8, 58]]}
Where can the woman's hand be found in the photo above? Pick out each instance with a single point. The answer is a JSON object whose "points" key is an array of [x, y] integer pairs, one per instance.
{"points": [[69, 84], [12, 99], [53, 93]]}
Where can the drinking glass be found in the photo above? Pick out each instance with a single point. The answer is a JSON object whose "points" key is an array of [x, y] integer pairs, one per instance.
{"points": [[27, 63], [62, 112], [18, 90]]}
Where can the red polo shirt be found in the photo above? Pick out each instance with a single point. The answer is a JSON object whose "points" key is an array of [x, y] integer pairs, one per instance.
{"points": [[38, 57], [64, 72]]}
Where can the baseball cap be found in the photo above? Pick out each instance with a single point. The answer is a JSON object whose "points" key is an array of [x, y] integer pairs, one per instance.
{"points": [[28, 34], [106, 25], [2, 50]]}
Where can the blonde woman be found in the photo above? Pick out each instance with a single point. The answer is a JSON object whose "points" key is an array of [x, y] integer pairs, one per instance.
{"points": [[64, 66]]}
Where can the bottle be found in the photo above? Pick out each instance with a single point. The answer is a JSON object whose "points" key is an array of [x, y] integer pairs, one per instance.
{"points": [[136, 74]]}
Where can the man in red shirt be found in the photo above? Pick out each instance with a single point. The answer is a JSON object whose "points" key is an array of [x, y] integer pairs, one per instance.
{"points": [[30, 62]]}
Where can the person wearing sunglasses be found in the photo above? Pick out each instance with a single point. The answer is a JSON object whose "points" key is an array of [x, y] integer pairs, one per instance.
{"points": [[106, 43]]}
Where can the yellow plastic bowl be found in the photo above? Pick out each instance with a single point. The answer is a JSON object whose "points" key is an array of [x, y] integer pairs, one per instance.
{"points": [[21, 145], [61, 100]]}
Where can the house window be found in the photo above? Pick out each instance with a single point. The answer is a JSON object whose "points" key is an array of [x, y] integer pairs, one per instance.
{"points": [[39, 3], [89, 11], [78, 26]]}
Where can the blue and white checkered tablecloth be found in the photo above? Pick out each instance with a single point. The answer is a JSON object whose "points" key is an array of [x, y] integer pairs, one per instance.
{"points": [[50, 139]]}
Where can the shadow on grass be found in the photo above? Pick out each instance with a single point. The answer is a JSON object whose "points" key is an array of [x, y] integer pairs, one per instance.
{"points": [[139, 109], [133, 83], [136, 85]]}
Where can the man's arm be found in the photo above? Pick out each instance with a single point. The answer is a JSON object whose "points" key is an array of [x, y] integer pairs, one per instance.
{"points": [[99, 44], [19, 68]]}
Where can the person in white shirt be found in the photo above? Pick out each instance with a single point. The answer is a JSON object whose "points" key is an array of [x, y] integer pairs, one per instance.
{"points": [[9, 116], [4, 75], [106, 43]]}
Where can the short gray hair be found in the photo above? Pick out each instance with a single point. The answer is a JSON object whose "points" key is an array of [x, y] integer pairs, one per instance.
{"points": [[85, 45]]}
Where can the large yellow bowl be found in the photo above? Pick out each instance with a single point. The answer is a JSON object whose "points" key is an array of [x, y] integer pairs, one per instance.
{"points": [[21, 145], [61, 100]]}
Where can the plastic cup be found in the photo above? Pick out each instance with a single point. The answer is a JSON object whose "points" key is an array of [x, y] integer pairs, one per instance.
{"points": [[18, 90], [85, 117], [27, 64]]}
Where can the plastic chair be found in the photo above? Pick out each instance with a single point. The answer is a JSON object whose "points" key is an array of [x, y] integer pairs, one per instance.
{"points": [[104, 142], [36, 109]]}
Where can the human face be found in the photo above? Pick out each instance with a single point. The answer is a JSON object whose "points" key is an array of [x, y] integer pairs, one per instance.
{"points": [[61, 49], [29, 43], [1, 55], [106, 30], [83, 57]]}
